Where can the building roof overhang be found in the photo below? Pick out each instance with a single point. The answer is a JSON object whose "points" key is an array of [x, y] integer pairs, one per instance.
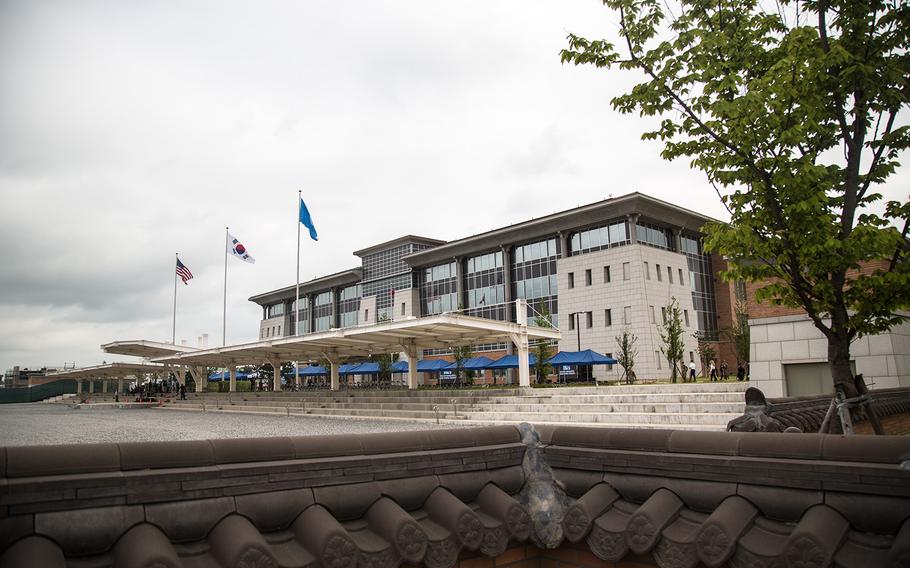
{"points": [[649, 208], [343, 278], [395, 242], [144, 348], [434, 332]]}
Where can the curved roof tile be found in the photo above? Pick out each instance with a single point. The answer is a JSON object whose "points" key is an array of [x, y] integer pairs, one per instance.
{"points": [[421, 499]]}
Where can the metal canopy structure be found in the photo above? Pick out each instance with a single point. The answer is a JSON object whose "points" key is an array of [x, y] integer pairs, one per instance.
{"points": [[108, 371], [145, 349], [408, 336]]}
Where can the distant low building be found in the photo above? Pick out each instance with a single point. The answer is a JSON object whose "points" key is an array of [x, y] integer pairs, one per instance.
{"points": [[24, 377]]}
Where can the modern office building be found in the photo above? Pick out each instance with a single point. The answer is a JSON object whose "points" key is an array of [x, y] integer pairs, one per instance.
{"points": [[596, 270]]}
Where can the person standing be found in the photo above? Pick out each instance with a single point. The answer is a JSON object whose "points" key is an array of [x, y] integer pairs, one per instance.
{"points": [[724, 375], [740, 372], [692, 371], [182, 392], [712, 371]]}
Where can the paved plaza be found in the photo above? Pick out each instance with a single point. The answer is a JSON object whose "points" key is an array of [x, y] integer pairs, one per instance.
{"points": [[34, 424]]}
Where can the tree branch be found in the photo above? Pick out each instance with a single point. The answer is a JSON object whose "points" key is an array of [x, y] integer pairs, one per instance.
{"points": [[876, 156], [749, 161]]}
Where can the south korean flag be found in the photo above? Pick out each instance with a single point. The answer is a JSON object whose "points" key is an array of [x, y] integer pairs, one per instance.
{"points": [[236, 248]]}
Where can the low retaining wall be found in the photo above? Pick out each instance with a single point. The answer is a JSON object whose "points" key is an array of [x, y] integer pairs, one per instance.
{"points": [[472, 497]]}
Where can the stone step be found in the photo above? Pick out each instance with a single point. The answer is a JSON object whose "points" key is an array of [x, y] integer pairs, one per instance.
{"points": [[282, 410], [644, 407], [620, 398], [664, 419], [648, 388]]}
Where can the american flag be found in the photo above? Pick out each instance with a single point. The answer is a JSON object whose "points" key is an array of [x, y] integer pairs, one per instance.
{"points": [[183, 272]]}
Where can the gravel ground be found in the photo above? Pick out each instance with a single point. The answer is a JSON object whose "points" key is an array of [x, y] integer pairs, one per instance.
{"points": [[39, 424]]}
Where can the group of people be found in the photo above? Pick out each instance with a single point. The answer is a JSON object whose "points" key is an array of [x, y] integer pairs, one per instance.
{"points": [[713, 371]]}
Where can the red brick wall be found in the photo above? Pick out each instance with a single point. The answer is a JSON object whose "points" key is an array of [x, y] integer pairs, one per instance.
{"points": [[766, 310]]}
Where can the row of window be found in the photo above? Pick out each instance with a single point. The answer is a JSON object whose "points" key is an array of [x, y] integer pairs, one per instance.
{"points": [[576, 318], [271, 331], [607, 275], [659, 273]]}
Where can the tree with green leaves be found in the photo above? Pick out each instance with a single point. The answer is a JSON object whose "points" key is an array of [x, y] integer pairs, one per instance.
{"points": [[796, 112], [385, 361], [706, 351], [738, 333], [627, 353], [461, 353], [671, 337], [542, 350]]}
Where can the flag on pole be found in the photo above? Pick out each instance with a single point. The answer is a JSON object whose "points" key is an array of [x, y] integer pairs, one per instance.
{"points": [[237, 249], [307, 220], [183, 272]]}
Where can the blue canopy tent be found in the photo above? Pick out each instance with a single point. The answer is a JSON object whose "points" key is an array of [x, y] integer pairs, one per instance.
{"points": [[511, 362], [348, 369], [475, 364], [586, 357], [226, 376], [400, 367], [367, 368], [311, 371], [432, 365]]}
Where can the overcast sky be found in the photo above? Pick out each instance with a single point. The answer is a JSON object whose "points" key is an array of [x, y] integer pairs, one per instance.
{"points": [[133, 130]]}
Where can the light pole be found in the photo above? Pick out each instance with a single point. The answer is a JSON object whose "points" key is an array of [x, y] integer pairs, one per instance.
{"points": [[577, 329]]}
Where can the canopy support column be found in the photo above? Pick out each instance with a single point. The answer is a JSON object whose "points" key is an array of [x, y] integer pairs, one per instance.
{"points": [[104, 385], [521, 342], [78, 386], [91, 386], [199, 377], [181, 378], [332, 358], [276, 373], [120, 385], [233, 370], [410, 351]]}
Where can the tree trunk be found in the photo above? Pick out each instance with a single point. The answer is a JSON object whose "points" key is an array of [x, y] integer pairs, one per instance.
{"points": [[839, 361]]}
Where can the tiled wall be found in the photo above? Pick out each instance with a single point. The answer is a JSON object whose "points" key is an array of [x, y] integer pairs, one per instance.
{"points": [[637, 291], [884, 360]]}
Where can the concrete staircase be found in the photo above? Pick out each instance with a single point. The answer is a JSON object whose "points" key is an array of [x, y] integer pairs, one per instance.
{"points": [[367, 404], [681, 406]]}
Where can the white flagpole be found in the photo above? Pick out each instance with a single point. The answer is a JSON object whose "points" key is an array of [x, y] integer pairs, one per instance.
{"points": [[297, 293], [297, 288], [174, 331], [224, 312]]}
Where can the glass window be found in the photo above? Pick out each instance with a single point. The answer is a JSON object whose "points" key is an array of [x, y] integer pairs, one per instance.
{"points": [[647, 271], [627, 315], [606, 274], [625, 271], [681, 281], [571, 280], [670, 275], [589, 319], [659, 277], [686, 317], [651, 311], [588, 277], [608, 317], [572, 321]]}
